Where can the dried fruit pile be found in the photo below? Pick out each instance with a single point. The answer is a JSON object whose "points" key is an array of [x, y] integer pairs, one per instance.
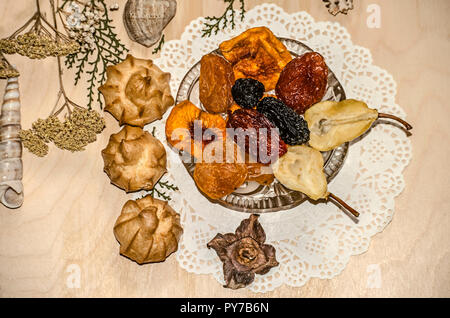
{"points": [[284, 133]]}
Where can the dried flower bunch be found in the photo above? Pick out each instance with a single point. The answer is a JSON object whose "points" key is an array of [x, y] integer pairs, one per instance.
{"points": [[338, 6], [80, 21], [39, 41], [88, 22], [78, 130], [6, 69], [244, 253]]}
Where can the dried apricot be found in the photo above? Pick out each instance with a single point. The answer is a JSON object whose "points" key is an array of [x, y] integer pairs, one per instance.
{"points": [[257, 54], [216, 80], [186, 121], [218, 177]]}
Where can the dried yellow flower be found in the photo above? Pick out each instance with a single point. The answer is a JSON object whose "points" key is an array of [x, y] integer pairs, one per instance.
{"points": [[74, 134], [74, 138], [88, 118], [47, 129], [6, 69], [33, 143]]}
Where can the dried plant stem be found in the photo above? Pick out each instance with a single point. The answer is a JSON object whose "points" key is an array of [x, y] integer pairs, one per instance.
{"points": [[389, 116], [104, 49], [343, 204], [39, 22], [62, 92]]}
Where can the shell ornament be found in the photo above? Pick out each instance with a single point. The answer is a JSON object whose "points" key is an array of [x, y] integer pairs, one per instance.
{"points": [[145, 20], [11, 187]]}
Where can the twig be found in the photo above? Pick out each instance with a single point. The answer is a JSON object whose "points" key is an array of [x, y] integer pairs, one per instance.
{"points": [[62, 92], [228, 17], [343, 204], [159, 47], [161, 193], [404, 123]]}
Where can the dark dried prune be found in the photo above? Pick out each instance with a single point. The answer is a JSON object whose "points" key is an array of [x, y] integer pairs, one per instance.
{"points": [[247, 92], [293, 128], [257, 131], [303, 82]]}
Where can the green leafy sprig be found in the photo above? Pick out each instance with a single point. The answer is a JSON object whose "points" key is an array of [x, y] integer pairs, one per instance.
{"points": [[160, 189], [215, 24], [160, 45], [93, 62]]}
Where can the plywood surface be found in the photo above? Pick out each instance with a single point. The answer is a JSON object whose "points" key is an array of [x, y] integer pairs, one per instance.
{"points": [[70, 207]]}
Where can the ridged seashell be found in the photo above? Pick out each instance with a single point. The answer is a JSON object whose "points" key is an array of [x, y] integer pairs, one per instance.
{"points": [[11, 188], [146, 19]]}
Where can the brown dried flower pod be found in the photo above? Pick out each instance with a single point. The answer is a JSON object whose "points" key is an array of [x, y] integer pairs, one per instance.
{"points": [[136, 92], [244, 253], [148, 230], [134, 159]]}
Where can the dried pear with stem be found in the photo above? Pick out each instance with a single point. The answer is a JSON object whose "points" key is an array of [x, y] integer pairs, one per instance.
{"points": [[334, 123], [301, 169]]}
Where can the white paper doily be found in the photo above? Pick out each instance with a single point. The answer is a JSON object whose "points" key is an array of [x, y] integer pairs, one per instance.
{"points": [[310, 240]]}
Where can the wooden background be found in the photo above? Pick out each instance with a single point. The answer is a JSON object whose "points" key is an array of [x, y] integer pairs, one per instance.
{"points": [[70, 206]]}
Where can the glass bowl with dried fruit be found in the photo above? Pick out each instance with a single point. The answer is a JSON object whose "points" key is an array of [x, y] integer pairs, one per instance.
{"points": [[299, 96], [262, 197]]}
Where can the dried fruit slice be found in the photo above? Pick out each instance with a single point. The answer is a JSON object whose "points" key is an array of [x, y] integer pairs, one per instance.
{"points": [[221, 171], [257, 54], [216, 80], [303, 82], [258, 172], [333, 123], [256, 134], [301, 169], [190, 129]]}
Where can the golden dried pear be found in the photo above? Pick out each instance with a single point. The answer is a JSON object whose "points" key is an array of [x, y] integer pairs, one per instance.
{"points": [[301, 169], [334, 123]]}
